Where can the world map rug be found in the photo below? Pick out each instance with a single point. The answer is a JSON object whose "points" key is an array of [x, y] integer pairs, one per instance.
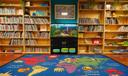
{"points": [[63, 65]]}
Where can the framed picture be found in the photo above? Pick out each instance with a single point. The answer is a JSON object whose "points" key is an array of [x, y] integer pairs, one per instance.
{"points": [[64, 11]]}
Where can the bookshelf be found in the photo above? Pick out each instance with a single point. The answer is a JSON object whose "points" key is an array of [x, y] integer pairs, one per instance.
{"points": [[91, 24], [111, 16], [37, 26], [116, 26], [11, 27], [25, 26]]}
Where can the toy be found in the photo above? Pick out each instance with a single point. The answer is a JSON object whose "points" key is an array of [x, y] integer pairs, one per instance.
{"points": [[72, 50], [64, 50], [56, 50]]}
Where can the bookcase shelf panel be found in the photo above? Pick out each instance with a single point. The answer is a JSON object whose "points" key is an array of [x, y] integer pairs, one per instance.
{"points": [[17, 19]]}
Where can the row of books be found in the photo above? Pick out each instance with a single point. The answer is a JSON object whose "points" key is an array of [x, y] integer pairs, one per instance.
{"points": [[30, 42], [89, 20], [89, 6], [113, 7], [123, 28], [37, 49], [27, 35], [16, 42], [90, 28], [31, 28], [111, 21], [7, 11], [11, 20], [9, 27], [36, 21], [11, 34], [37, 35], [43, 35], [96, 49]]}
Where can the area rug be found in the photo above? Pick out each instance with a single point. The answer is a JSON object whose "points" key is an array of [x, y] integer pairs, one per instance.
{"points": [[63, 65]]}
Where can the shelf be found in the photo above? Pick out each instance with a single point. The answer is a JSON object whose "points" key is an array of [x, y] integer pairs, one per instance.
{"points": [[38, 31], [121, 10], [11, 38], [117, 24], [120, 1], [115, 46], [43, 45], [10, 52], [116, 39], [11, 15], [117, 31], [39, 38], [11, 31], [86, 53], [90, 24], [37, 7], [11, 45], [37, 23], [91, 38], [117, 16], [12, 23], [93, 10], [36, 52], [95, 1], [8, 6], [90, 44], [38, 16], [37, 0], [93, 31]]}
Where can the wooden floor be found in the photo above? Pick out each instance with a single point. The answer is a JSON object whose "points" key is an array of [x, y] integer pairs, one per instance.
{"points": [[121, 58], [6, 58]]}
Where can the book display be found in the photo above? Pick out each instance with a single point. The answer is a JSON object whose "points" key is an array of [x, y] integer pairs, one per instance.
{"points": [[26, 27], [91, 27], [116, 26], [11, 26], [37, 26]]}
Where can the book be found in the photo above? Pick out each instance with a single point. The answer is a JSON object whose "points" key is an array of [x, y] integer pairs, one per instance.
{"points": [[89, 20]]}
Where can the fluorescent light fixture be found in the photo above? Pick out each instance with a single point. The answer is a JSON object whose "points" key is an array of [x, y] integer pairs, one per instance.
{"points": [[64, 13]]}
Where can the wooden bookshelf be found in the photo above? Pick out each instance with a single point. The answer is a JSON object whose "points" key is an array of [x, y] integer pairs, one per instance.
{"points": [[37, 10], [102, 26], [11, 26], [34, 34], [116, 31], [112, 33], [91, 24]]}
